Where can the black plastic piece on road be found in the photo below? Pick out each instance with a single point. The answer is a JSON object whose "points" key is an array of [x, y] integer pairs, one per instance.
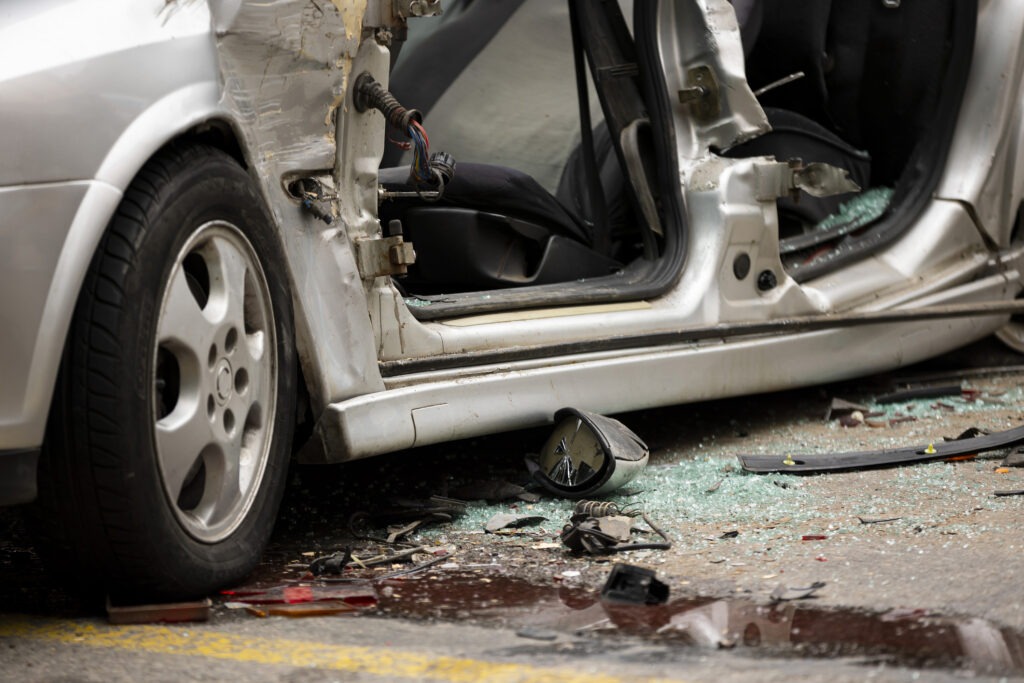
{"points": [[867, 459], [634, 585]]}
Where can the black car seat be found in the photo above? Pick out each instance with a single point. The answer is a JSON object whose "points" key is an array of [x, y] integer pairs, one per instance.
{"points": [[495, 226]]}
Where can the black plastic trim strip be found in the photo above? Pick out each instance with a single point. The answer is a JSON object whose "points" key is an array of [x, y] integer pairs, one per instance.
{"points": [[831, 462]]}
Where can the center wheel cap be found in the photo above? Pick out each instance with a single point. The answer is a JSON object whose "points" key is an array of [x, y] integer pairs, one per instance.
{"points": [[223, 379]]}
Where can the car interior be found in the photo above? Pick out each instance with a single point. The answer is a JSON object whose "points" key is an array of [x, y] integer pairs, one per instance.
{"points": [[869, 86]]}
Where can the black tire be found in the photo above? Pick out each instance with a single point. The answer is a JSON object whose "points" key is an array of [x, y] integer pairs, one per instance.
{"points": [[115, 442]]}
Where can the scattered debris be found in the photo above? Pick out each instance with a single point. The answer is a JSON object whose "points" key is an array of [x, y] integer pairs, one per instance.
{"points": [[398, 532], [331, 564], [587, 455], [596, 508], [783, 593], [433, 509], [854, 419], [878, 520], [609, 534], [1016, 492], [1015, 459], [921, 391], [172, 612], [491, 490], [309, 609], [714, 487], [504, 520], [730, 534], [634, 585], [813, 537], [969, 433], [865, 459], [1002, 470], [536, 634], [361, 594], [840, 407]]}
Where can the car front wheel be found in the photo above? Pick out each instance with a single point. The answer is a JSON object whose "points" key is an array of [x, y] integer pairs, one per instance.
{"points": [[172, 428]]}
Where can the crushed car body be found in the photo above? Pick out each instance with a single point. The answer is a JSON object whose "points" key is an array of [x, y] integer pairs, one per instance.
{"points": [[213, 242]]}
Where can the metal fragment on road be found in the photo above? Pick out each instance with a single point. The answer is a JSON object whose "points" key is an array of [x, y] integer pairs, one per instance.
{"points": [[506, 520], [841, 406], [598, 508], [492, 490], [879, 520], [536, 634], [1013, 460], [714, 487], [782, 593]]}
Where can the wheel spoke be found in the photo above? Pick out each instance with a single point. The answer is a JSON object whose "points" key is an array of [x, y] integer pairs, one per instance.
{"points": [[181, 319], [227, 291], [182, 438], [223, 491]]}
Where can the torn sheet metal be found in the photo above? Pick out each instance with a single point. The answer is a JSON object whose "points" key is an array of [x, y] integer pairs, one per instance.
{"points": [[865, 459], [504, 520], [284, 70]]}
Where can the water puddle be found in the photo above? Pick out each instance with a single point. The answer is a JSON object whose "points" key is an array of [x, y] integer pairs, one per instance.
{"points": [[790, 629]]}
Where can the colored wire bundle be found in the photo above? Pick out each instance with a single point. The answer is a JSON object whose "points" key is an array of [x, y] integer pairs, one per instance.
{"points": [[420, 171], [424, 172]]}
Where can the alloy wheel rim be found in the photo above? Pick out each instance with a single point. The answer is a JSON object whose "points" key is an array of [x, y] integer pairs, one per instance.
{"points": [[214, 381]]}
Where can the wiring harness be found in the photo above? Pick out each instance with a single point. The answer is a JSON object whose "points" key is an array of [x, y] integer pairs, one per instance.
{"points": [[427, 171]]}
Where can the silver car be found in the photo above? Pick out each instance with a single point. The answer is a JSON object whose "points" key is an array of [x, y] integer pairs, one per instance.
{"points": [[209, 238]]}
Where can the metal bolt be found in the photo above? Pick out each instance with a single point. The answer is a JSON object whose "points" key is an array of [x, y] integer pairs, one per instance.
{"points": [[766, 280]]}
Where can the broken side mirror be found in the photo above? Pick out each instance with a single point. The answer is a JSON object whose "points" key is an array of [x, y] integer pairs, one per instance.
{"points": [[588, 455]]}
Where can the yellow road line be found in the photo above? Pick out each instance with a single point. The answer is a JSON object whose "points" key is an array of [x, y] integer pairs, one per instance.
{"points": [[387, 662]]}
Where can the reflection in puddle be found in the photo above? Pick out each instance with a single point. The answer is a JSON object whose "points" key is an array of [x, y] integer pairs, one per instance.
{"points": [[909, 638]]}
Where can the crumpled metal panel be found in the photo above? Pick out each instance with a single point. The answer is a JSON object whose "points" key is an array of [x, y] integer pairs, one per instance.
{"points": [[285, 67], [704, 33]]}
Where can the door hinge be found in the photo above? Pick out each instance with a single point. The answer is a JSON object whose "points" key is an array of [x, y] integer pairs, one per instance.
{"points": [[782, 179], [381, 256]]}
